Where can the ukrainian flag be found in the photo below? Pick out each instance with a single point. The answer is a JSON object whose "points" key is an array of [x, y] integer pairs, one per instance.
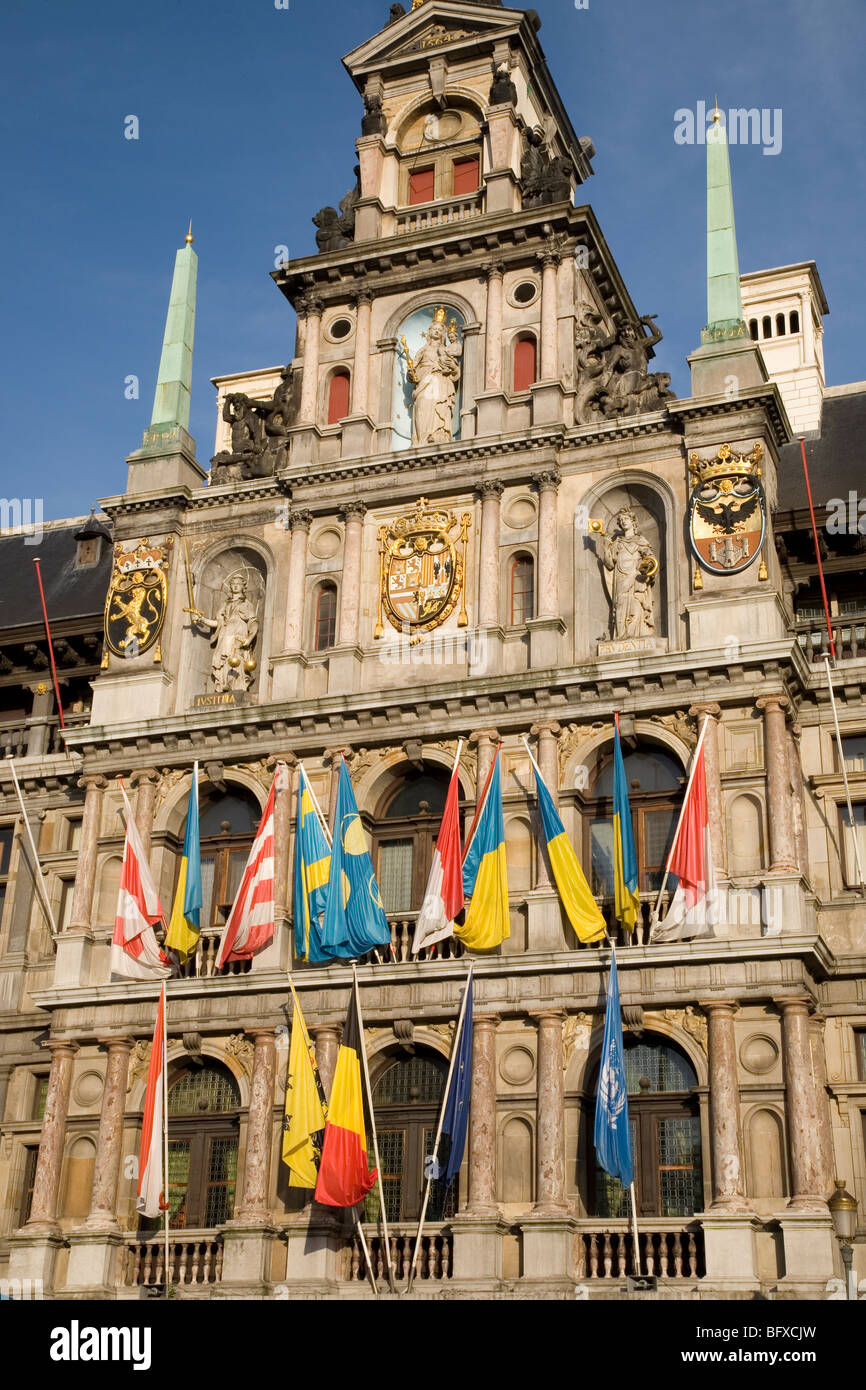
{"points": [[184, 927], [485, 879], [583, 911], [312, 867], [625, 889]]}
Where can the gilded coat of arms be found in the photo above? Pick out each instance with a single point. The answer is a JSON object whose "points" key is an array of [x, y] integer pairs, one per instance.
{"points": [[421, 570], [727, 512], [136, 602]]}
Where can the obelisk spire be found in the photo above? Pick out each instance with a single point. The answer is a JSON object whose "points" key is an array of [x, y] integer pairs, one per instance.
{"points": [[724, 300], [171, 402]]}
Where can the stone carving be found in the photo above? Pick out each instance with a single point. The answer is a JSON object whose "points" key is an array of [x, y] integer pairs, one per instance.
{"points": [[544, 178], [576, 1030], [139, 1062], [468, 755], [261, 770], [629, 568], [334, 230], [612, 369], [374, 121], [691, 1019], [397, 12], [136, 601], [436, 374], [260, 433], [503, 89], [242, 1049], [235, 629], [681, 724]]}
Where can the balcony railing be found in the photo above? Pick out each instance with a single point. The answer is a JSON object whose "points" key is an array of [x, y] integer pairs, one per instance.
{"points": [[435, 1258], [665, 1253], [440, 214], [23, 738], [196, 1259], [849, 637], [204, 963]]}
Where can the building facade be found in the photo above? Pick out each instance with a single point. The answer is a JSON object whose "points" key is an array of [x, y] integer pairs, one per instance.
{"points": [[466, 509]]}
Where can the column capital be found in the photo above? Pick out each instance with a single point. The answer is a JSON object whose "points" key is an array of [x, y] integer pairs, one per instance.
{"points": [[719, 1005], [144, 774], [489, 1021], [363, 297], [772, 702], [494, 270], [708, 707], [795, 1004], [352, 511], [546, 727], [547, 480], [549, 258], [261, 1035], [300, 521], [58, 1046], [478, 734], [323, 1029], [554, 1014], [115, 1040], [332, 755], [92, 779], [489, 487], [290, 760], [311, 306]]}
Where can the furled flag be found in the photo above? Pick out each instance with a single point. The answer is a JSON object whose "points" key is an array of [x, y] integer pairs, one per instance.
{"points": [[135, 951], [612, 1133], [184, 927], [694, 908], [455, 1120], [304, 1123], [151, 1182], [485, 880], [312, 867], [355, 920], [625, 889], [251, 921], [443, 896], [344, 1174], [583, 911]]}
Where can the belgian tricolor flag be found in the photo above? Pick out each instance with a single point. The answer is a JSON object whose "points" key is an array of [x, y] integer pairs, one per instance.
{"points": [[344, 1176]]}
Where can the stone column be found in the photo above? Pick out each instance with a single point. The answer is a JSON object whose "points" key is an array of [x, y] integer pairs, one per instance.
{"points": [[547, 484], [352, 516], [486, 741], [727, 1151], [804, 1144], [550, 1199], [42, 719], [490, 491], [824, 1125], [46, 1186], [798, 802], [312, 310], [147, 782], [300, 523], [493, 329], [547, 757], [284, 802], [361, 371], [327, 1040], [712, 769], [549, 355], [109, 1143], [783, 852], [253, 1210], [333, 755], [482, 1119], [85, 872]]}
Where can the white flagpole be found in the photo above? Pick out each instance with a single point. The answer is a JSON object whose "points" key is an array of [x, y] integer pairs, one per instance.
{"points": [[638, 1265], [385, 1235], [655, 912], [435, 1154], [165, 1190], [318, 809], [860, 877], [37, 867]]}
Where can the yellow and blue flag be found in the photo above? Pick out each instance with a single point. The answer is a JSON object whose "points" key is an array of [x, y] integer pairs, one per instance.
{"points": [[583, 911], [485, 879], [312, 868], [355, 920], [625, 887], [184, 927]]}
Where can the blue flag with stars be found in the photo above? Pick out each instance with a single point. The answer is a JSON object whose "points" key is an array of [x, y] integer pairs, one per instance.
{"points": [[355, 920], [612, 1133]]}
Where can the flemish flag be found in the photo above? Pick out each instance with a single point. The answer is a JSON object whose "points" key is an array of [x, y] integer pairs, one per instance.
{"points": [[304, 1123], [344, 1174], [694, 907]]}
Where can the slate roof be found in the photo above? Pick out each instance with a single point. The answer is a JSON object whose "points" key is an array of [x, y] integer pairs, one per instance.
{"points": [[70, 593], [834, 457]]}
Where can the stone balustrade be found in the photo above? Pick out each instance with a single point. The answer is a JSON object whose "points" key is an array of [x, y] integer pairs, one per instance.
{"points": [[440, 214], [435, 1258], [665, 1253], [195, 1259]]}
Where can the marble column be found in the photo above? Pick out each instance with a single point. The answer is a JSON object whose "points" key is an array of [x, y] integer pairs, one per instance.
{"points": [[549, 355], [327, 1040], [361, 371], [547, 757], [486, 742], [333, 755], [783, 851], [42, 719], [253, 1209], [550, 1199], [482, 1119], [109, 1143], [85, 872], [798, 800], [300, 523], [727, 1150], [824, 1124], [490, 491], [712, 768], [801, 1109], [352, 516], [147, 782], [493, 329], [547, 485], [307, 409], [284, 803], [46, 1185]]}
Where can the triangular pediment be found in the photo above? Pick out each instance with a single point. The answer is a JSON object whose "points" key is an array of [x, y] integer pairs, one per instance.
{"points": [[435, 25]]}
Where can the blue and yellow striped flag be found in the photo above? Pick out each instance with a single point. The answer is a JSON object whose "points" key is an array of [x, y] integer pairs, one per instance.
{"points": [[184, 927], [485, 878], [625, 889], [583, 911], [312, 868]]}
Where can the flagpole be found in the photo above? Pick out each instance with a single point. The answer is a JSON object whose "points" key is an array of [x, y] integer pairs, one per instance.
{"points": [[860, 878], [635, 1234], [435, 1154], [166, 1199], [693, 770], [37, 868], [316, 805], [385, 1235]]}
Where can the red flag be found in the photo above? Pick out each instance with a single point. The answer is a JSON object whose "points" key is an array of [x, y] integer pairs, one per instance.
{"points": [[693, 909], [135, 951], [150, 1175], [251, 921], [443, 896]]}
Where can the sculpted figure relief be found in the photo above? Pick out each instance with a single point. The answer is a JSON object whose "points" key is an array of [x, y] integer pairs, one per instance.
{"points": [[260, 433], [436, 374], [612, 370], [629, 570], [235, 629]]}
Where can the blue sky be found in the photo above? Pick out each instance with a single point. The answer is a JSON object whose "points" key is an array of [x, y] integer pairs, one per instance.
{"points": [[247, 122]]}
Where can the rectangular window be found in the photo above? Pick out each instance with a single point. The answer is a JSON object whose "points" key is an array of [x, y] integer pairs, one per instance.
{"points": [[522, 591], [7, 833], [421, 186], [854, 752], [861, 1053], [395, 875], [178, 1182], [73, 834], [64, 916], [222, 1172], [601, 857], [40, 1097], [465, 177]]}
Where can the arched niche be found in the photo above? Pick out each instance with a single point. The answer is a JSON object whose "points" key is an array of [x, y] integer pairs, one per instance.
{"points": [[424, 127], [108, 889], [374, 783], [519, 855], [78, 1182], [409, 397], [516, 1166], [215, 573], [765, 1154], [746, 855]]}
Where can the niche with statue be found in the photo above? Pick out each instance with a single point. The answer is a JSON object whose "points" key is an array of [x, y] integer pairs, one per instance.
{"points": [[226, 627], [625, 557]]}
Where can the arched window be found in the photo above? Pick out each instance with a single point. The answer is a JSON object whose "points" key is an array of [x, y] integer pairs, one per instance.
{"points": [[203, 1104], [338, 396], [753, 328], [780, 325], [407, 1099], [766, 326], [406, 825], [325, 627], [665, 1134], [794, 321], [525, 372], [227, 825], [522, 590]]}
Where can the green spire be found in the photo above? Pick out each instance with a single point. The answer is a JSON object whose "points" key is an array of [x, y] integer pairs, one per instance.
{"points": [[724, 300], [171, 402]]}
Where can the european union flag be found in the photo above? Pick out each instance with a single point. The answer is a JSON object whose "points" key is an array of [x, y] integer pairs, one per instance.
{"points": [[612, 1133], [455, 1121], [355, 920], [312, 867]]}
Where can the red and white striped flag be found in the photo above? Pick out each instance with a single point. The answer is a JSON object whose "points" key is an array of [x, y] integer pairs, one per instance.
{"points": [[694, 907], [251, 920], [443, 896], [135, 951], [151, 1182]]}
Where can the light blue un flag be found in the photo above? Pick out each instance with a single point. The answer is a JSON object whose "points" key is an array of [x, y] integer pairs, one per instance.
{"points": [[612, 1133]]}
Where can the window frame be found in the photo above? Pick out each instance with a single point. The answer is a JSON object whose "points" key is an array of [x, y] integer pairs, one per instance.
{"points": [[25, 1206], [416, 1121], [338, 373], [529, 337], [330, 587], [521, 557]]}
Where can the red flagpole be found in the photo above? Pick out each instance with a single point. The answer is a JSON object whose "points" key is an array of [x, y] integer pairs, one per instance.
{"points": [[818, 552], [51, 645]]}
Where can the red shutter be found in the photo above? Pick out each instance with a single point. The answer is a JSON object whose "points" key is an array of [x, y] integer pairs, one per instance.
{"points": [[465, 176], [338, 397], [421, 186], [524, 364]]}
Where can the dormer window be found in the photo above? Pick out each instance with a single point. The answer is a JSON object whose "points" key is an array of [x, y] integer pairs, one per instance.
{"points": [[90, 542]]}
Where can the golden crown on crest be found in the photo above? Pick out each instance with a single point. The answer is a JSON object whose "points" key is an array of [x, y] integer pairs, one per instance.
{"points": [[727, 463]]}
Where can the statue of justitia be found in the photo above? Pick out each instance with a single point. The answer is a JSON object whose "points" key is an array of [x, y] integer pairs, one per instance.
{"points": [[436, 373], [234, 629], [629, 562]]}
